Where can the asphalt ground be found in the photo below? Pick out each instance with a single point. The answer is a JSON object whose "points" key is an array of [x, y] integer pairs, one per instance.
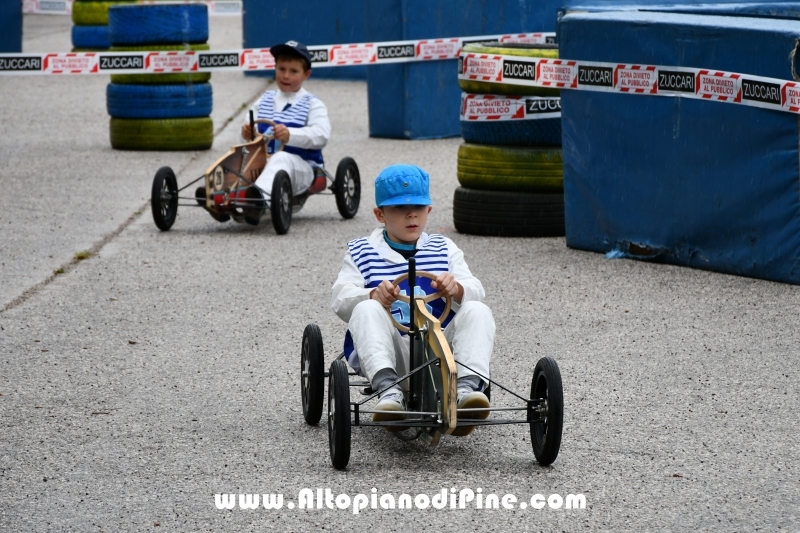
{"points": [[164, 369]]}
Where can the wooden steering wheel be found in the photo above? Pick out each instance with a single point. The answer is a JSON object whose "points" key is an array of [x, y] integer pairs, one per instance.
{"points": [[268, 137], [428, 298]]}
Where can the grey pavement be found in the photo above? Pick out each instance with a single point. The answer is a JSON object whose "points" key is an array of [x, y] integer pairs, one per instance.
{"points": [[164, 369]]}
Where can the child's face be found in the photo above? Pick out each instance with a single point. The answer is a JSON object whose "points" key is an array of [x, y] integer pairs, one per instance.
{"points": [[290, 74], [404, 223]]}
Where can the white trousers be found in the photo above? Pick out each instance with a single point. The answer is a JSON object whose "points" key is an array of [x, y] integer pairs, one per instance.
{"points": [[378, 343], [300, 172]]}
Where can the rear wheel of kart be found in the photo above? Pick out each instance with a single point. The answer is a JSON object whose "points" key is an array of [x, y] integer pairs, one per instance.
{"points": [[170, 134], [312, 374], [339, 414], [280, 203], [160, 78], [347, 187], [90, 37], [164, 198], [509, 49], [502, 168], [94, 13], [508, 214], [158, 24], [159, 101], [546, 430]]}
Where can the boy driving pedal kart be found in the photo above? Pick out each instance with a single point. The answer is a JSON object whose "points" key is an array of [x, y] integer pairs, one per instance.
{"points": [[301, 124], [363, 293]]}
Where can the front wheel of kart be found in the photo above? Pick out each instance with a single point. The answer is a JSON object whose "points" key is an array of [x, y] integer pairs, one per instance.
{"points": [[164, 198], [347, 187], [339, 414], [546, 429], [280, 204], [312, 377]]}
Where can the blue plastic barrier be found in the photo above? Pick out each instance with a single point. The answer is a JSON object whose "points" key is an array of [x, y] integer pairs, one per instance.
{"points": [[268, 22], [10, 27], [421, 100], [703, 184]]}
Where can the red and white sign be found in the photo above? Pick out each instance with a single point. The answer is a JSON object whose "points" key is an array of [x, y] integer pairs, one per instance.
{"points": [[492, 107], [532, 38], [716, 85], [636, 79], [790, 96], [258, 59], [483, 67], [556, 72], [439, 49], [70, 63], [171, 61], [352, 54]]}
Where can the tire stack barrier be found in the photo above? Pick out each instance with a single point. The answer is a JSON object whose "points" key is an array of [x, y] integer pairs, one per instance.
{"points": [[164, 111], [510, 171], [90, 30]]}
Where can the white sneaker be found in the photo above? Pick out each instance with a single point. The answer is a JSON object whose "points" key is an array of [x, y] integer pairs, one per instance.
{"points": [[470, 399], [391, 400]]}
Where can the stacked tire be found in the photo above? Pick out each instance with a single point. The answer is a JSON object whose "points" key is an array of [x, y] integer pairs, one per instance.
{"points": [[510, 168], [90, 30], [161, 111]]}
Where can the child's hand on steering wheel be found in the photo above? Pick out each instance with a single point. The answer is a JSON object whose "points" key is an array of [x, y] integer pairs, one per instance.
{"points": [[447, 285], [281, 133], [386, 293]]}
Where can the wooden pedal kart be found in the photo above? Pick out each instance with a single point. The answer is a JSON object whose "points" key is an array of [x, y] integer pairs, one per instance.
{"points": [[432, 410], [230, 191]]}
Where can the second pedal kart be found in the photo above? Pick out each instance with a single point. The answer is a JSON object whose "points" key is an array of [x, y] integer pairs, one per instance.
{"points": [[432, 410], [229, 191]]}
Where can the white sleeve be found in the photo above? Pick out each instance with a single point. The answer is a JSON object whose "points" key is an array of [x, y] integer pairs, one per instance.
{"points": [[317, 131], [348, 290], [473, 288]]}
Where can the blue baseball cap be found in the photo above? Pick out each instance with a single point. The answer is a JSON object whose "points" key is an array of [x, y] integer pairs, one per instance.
{"points": [[402, 185], [291, 49]]}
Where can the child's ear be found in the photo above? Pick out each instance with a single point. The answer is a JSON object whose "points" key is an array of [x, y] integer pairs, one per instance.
{"points": [[379, 215], [430, 208]]}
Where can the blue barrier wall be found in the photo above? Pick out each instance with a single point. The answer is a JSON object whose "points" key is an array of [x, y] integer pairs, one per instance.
{"points": [[10, 26], [698, 183], [267, 22], [421, 100]]}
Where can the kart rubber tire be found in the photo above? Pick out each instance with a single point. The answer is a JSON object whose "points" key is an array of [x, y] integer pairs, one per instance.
{"points": [[508, 214], [540, 132], [546, 436], [164, 198], [497, 168], [158, 24], [549, 51], [312, 374], [160, 78], [94, 13], [159, 101], [280, 203], [171, 134], [339, 430], [347, 187], [90, 37]]}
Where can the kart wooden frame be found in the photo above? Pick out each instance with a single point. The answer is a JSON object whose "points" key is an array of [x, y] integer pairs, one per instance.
{"points": [[432, 410]]}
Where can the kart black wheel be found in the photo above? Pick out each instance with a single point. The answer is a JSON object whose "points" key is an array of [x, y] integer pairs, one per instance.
{"points": [[164, 198], [280, 203], [546, 429], [347, 187], [312, 376], [339, 414]]}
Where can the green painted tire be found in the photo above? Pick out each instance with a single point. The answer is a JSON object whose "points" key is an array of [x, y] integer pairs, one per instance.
{"points": [[166, 134], [549, 51], [93, 13], [502, 168], [159, 79]]}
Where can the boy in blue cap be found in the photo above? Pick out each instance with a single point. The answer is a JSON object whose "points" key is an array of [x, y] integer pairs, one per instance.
{"points": [[302, 121], [363, 293]]}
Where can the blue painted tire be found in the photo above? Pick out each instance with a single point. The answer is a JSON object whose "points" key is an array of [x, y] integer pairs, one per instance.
{"points": [[135, 25], [90, 37], [159, 101], [541, 132]]}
